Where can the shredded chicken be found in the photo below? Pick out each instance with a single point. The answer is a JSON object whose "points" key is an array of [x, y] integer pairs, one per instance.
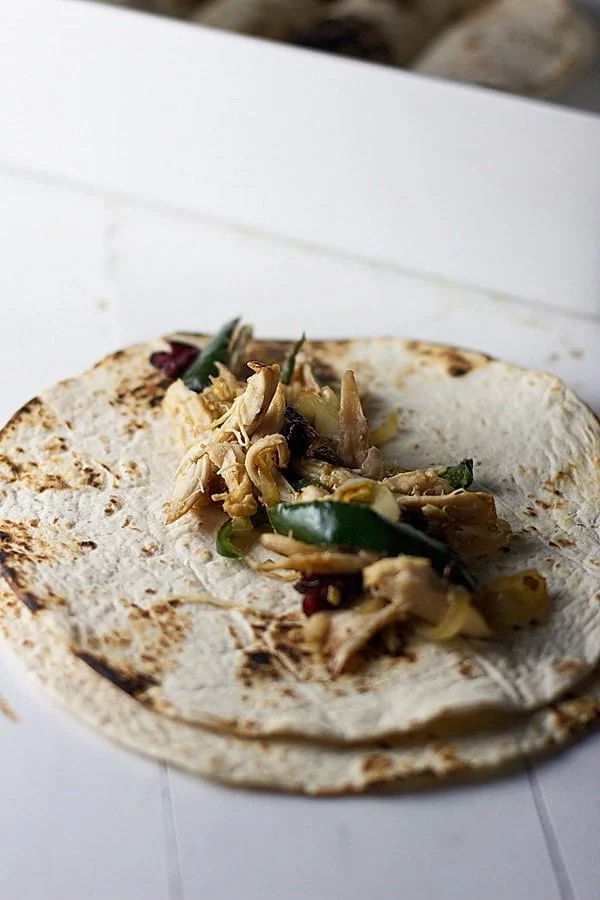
{"points": [[464, 507], [373, 465], [273, 419], [309, 559], [192, 478], [418, 482], [354, 430], [264, 459], [248, 410], [193, 482], [303, 378], [401, 588], [411, 585], [324, 473], [238, 501], [351, 630], [190, 414], [285, 545]]}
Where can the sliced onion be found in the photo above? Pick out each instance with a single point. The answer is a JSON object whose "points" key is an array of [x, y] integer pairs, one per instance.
{"points": [[320, 409], [385, 432], [453, 621], [369, 493]]}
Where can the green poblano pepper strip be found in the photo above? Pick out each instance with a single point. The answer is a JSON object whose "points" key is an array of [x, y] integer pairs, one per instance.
{"points": [[287, 369], [460, 476], [197, 375], [242, 529], [357, 527], [224, 543]]}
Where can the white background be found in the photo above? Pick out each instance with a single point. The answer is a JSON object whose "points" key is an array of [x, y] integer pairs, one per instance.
{"points": [[83, 271]]}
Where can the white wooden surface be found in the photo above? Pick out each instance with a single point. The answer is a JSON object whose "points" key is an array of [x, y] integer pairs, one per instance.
{"points": [[79, 818]]}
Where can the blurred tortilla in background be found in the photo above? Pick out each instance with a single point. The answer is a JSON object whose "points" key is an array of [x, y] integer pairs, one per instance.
{"points": [[532, 48]]}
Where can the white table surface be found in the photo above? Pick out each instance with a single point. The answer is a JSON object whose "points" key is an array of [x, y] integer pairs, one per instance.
{"points": [[81, 274]]}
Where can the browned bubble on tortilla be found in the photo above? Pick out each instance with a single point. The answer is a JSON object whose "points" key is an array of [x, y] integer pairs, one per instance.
{"points": [[562, 542], [154, 635], [404, 653], [112, 505], [116, 478], [449, 762], [568, 666], [573, 716], [468, 668], [32, 545], [258, 664], [58, 470], [162, 626], [34, 412], [542, 504], [375, 764], [456, 363], [138, 394], [324, 373], [20, 556], [268, 352], [285, 636], [114, 357], [554, 484]]}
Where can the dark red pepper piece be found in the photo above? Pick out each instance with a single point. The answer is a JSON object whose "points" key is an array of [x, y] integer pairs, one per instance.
{"points": [[314, 590], [173, 363]]}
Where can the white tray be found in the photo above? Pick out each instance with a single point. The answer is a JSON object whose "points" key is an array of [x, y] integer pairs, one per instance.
{"points": [[456, 182]]}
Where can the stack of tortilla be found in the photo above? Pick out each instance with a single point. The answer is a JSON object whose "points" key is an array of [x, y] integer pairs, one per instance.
{"points": [[146, 633], [530, 47]]}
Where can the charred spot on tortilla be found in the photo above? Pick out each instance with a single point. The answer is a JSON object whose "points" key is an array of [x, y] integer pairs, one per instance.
{"points": [[290, 650], [112, 506], [269, 352], [450, 761], [259, 658], [568, 666], [572, 716], [132, 683], [258, 665], [325, 374], [456, 371], [32, 603], [457, 363], [376, 764], [404, 654], [55, 444]]}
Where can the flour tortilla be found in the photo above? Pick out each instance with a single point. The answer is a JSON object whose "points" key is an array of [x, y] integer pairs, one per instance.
{"points": [[424, 759], [527, 48], [85, 472]]}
